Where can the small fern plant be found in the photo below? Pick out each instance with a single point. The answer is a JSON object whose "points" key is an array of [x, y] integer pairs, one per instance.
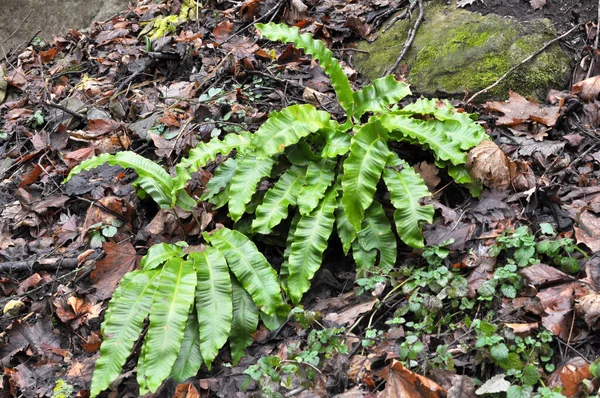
{"points": [[195, 302], [328, 172]]}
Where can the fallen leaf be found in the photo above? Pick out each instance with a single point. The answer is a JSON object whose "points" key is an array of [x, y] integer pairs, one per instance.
{"points": [[587, 89], [223, 30], [488, 163], [520, 110], [522, 328], [558, 304], [350, 314], [541, 274], [494, 385], [429, 173], [3, 84], [119, 260], [587, 230], [537, 4], [402, 382], [464, 3], [462, 387], [21, 335], [186, 391], [589, 306], [92, 344], [28, 283], [570, 377]]}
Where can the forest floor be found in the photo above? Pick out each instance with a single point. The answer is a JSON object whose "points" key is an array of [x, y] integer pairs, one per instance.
{"points": [[526, 256]]}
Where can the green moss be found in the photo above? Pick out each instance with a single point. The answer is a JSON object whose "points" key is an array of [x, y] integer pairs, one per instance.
{"points": [[62, 389], [456, 51]]}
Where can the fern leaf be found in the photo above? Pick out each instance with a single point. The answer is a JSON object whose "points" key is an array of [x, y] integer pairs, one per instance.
{"points": [[345, 230], [159, 254], [189, 359], [213, 301], [376, 233], [208, 151], [122, 326], [274, 207], [378, 96], [319, 177], [406, 189], [337, 143], [428, 133], [286, 128], [310, 241], [460, 127], [245, 321], [170, 309], [362, 170], [248, 174], [320, 52], [284, 270], [461, 175], [364, 259], [153, 179], [301, 154], [222, 177], [276, 320], [250, 267]]}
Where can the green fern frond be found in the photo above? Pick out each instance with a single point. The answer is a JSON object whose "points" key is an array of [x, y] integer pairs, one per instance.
{"points": [[376, 233], [320, 52], [406, 189], [250, 267], [213, 301], [244, 323], [122, 325], [336, 143], [248, 174], [429, 133], [362, 170], [376, 97], [159, 254], [310, 241], [287, 127], [189, 358], [284, 270], [221, 179], [206, 152], [283, 194], [364, 259], [346, 232], [171, 306], [319, 176]]}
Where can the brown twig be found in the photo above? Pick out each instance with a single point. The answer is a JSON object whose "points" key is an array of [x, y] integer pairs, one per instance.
{"points": [[66, 110], [530, 57], [411, 36], [399, 17]]}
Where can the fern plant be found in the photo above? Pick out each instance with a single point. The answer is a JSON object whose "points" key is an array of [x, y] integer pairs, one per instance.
{"points": [[326, 172], [195, 302], [329, 171]]}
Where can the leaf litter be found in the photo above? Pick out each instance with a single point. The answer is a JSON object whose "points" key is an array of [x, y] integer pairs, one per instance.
{"points": [[109, 91]]}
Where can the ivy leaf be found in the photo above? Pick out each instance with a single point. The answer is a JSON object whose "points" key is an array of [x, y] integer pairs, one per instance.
{"points": [[499, 352], [531, 375]]}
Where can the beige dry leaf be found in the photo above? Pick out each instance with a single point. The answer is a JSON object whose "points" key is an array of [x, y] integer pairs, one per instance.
{"points": [[588, 231], [520, 110], [570, 377], [3, 84], [488, 163], [407, 384], [537, 4], [587, 89], [589, 307]]}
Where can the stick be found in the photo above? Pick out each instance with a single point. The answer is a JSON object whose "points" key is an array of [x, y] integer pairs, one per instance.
{"points": [[33, 264], [409, 40], [511, 70]]}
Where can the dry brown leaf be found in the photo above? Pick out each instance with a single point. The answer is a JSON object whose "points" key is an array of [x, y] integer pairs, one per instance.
{"points": [[350, 314], [558, 305], [186, 391], [402, 382], [569, 377], [519, 110], [587, 89], [119, 260], [488, 163], [542, 274], [522, 328], [589, 307], [588, 231], [537, 4], [429, 173]]}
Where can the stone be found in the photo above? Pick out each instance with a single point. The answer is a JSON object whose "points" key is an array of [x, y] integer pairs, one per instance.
{"points": [[457, 53], [25, 18]]}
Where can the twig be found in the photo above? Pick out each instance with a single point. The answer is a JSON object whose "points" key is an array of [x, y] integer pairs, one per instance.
{"points": [[135, 74], [18, 28], [411, 36], [28, 265], [530, 57], [589, 72], [66, 110], [399, 17]]}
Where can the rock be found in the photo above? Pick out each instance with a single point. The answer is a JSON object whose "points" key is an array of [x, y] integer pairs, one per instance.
{"points": [[456, 51]]}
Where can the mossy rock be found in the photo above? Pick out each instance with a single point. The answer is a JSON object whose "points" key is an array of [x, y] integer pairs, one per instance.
{"points": [[458, 52]]}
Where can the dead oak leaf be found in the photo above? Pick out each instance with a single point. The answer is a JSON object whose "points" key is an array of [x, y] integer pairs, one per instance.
{"points": [[488, 163], [587, 89], [558, 303], [402, 382], [520, 110], [119, 260], [542, 274]]}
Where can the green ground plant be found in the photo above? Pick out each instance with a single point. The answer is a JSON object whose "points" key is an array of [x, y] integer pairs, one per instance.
{"points": [[327, 172]]}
